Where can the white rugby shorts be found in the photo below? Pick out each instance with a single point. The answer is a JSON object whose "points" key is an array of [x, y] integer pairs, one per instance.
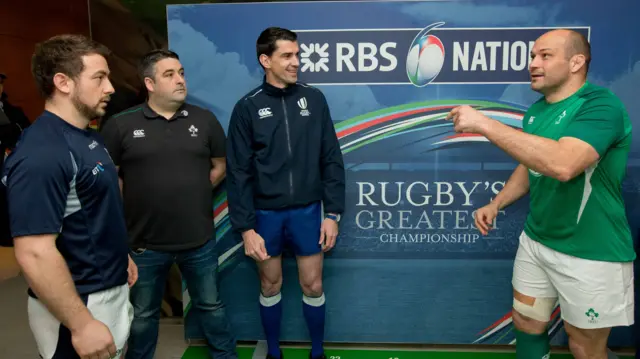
{"points": [[592, 294], [110, 306]]}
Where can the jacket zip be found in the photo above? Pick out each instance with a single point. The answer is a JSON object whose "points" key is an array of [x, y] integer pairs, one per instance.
{"points": [[286, 124]]}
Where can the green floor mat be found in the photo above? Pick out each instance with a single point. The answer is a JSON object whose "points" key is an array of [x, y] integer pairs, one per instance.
{"points": [[294, 353]]}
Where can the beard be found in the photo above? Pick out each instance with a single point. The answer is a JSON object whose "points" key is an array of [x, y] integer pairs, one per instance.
{"points": [[87, 111]]}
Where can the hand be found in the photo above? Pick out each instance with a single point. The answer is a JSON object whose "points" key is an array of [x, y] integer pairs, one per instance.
{"points": [[485, 216], [328, 234], [94, 340], [132, 270], [467, 119], [254, 246]]}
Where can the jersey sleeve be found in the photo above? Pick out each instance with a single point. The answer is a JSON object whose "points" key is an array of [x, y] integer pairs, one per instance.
{"points": [[217, 139], [112, 140], [38, 186], [332, 165], [599, 122], [240, 171]]}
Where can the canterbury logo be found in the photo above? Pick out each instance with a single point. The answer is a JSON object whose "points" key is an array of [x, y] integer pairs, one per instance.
{"points": [[265, 112], [138, 133]]}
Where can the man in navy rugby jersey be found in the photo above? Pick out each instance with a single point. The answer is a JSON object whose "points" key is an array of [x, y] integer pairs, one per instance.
{"points": [[65, 209]]}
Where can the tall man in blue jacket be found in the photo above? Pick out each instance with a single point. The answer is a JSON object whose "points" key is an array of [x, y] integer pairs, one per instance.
{"points": [[285, 169]]}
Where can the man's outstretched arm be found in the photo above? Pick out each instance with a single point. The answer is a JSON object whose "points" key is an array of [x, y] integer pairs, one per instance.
{"points": [[585, 140]]}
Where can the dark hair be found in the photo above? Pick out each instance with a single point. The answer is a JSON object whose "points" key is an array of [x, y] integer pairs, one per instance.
{"points": [[149, 61], [62, 54], [578, 44], [266, 43]]}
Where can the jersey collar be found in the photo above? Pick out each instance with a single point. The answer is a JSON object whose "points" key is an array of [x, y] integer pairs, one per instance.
{"points": [[60, 121], [276, 91], [151, 114]]}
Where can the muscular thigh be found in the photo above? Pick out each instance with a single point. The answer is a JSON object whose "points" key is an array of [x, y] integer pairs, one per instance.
{"points": [[587, 340], [310, 267], [310, 274], [270, 275]]}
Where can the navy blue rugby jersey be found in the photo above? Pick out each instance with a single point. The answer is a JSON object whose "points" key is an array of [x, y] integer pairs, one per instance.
{"points": [[61, 180]]}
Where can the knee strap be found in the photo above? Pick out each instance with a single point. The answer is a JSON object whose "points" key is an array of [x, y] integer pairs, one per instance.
{"points": [[540, 310]]}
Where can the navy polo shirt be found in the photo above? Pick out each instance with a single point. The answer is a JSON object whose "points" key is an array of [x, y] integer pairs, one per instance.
{"points": [[60, 180]]}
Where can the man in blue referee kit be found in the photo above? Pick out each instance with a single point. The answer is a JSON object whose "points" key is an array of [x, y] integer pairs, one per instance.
{"points": [[284, 169], [65, 210]]}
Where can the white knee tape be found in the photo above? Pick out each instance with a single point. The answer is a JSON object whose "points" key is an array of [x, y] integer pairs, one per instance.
{"points": [[540, 310]]}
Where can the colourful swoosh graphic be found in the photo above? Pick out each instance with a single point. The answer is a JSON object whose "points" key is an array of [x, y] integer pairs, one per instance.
{"points": [[376, 126]]}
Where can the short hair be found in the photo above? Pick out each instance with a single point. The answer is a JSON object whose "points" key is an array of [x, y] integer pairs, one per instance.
{"points": [[62, 54], [266, 43], [577, 43], [147, 66]]}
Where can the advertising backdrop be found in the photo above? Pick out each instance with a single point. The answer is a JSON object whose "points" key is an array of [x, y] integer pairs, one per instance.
{"points": [[409, 266]]}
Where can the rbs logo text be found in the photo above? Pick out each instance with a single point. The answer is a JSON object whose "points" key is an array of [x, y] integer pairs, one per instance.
{"points": [[432, 55], [360, 57]]}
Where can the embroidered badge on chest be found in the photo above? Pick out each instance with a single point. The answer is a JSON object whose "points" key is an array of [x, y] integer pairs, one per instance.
{"points": [[302, 103]]}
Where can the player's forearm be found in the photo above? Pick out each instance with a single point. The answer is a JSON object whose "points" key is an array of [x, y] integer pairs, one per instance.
{"points": [[516, 187], [48, 276], [540, 154]]}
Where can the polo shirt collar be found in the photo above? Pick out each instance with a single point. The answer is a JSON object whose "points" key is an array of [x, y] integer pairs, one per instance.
{"points": [[151, 114]]}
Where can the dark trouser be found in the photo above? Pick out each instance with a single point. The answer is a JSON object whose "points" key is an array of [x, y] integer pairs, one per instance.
{"points": [[198, 268]]}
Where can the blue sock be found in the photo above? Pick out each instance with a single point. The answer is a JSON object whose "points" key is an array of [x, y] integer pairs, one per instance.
{"points": [[271, 314], [313, 308]]}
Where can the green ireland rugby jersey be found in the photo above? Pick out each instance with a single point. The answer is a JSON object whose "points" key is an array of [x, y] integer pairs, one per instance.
{"points": [[584, 217]]}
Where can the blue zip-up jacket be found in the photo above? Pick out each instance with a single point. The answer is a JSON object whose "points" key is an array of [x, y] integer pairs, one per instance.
{"points": [[282, 152]]}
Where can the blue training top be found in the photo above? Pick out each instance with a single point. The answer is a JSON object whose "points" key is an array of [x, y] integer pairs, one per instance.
{"points": [[61, 180]]}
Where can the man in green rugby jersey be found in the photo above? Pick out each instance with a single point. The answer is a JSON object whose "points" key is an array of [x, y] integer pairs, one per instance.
{"points": [[576, 247]]}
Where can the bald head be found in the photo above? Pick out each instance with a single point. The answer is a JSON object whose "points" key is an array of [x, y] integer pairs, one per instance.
{"points": [[577, 44], [573, 43]]}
